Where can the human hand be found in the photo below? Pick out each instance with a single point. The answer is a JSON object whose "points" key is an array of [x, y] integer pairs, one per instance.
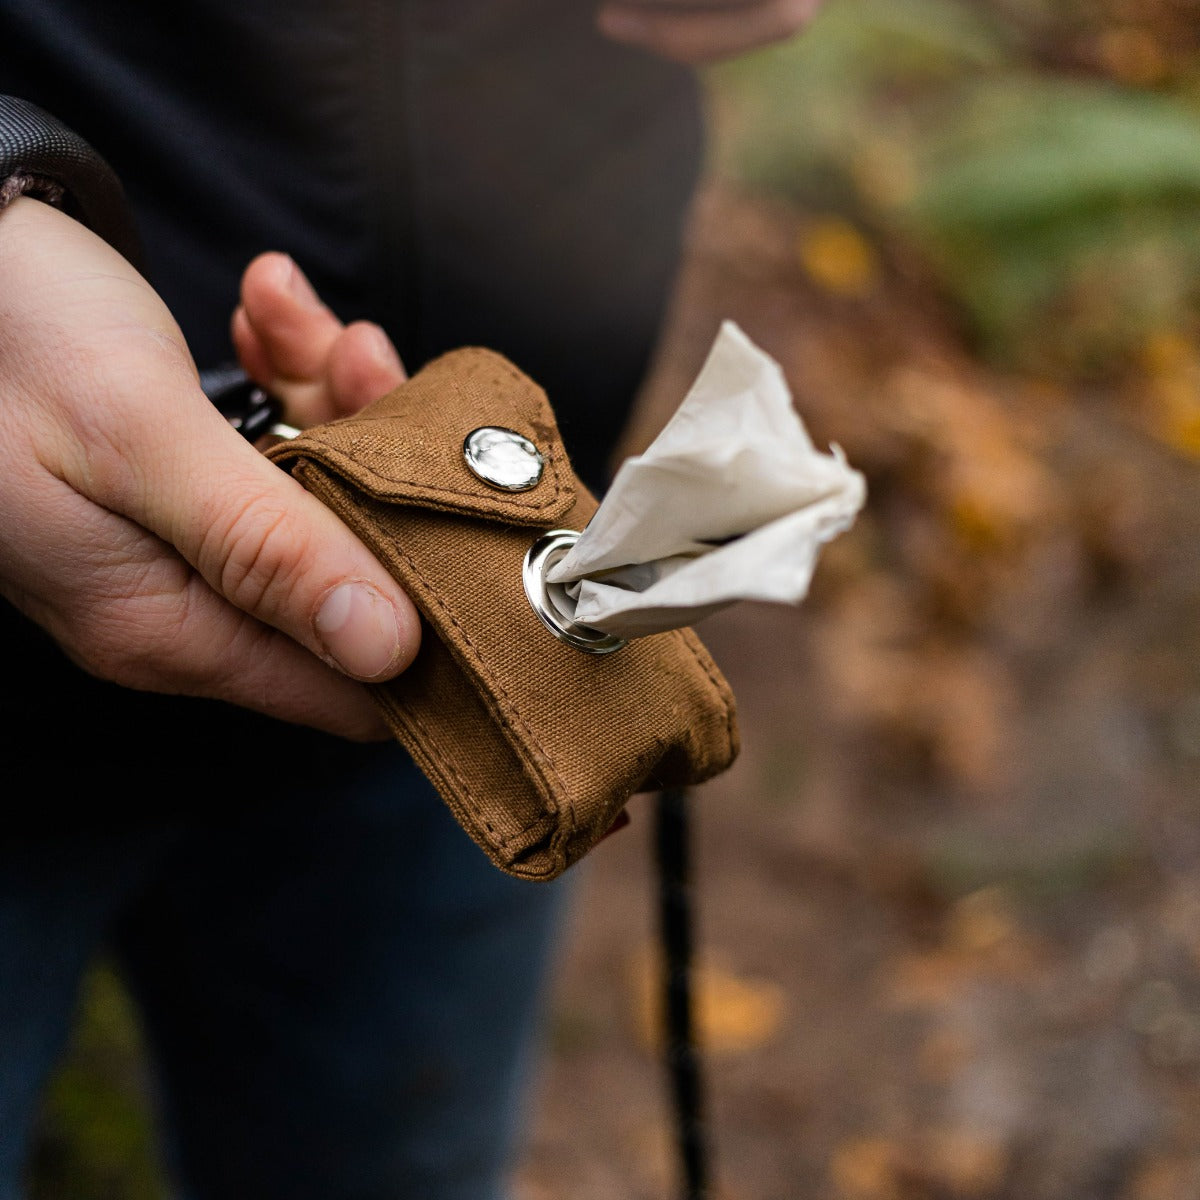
{"points": [[157, 547], [702, 31]]}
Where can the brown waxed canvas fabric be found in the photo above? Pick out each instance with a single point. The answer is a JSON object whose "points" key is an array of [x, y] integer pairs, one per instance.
{"points": [[534, 744]]}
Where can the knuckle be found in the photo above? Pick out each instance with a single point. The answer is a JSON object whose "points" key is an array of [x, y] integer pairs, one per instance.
{"points": [[256, 555], [137, 642], [98, 644]]}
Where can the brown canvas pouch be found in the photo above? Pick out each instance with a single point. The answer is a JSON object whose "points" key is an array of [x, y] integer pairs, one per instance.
{"points": [[535, 745]]}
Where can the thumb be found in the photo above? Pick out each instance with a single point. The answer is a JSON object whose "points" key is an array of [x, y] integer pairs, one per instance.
{"points": [[260, 540]]}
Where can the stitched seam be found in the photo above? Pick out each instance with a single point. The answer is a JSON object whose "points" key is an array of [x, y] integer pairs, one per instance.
{"points": [[343, 459], [709, 669], [554, 456], [468, 795], [539, 412], [542, 767], [446, 763]]}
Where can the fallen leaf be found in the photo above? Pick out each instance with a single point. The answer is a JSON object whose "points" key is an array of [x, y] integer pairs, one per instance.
{"points": [[982, 921], [1134, 56], [837, 257], [866, 1169], [936, 979], [944, 1055], [1172, 365], [1166, 1179], [964, 1164], [960, 1163], [731, 1013]]}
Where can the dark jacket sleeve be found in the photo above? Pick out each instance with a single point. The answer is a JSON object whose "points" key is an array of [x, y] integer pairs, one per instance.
{"points": [[60, 165]]}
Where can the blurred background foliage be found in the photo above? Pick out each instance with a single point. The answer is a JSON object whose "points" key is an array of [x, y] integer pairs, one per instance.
{"points": [[1040, 159], [96, 1136]]}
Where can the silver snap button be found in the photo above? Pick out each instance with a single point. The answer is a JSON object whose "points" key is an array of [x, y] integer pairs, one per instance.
{"points": [[554, 607], [503, 459]]}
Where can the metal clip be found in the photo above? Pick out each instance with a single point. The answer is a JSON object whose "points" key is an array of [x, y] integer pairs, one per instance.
{"points": [[556, 609], [252, 411]]}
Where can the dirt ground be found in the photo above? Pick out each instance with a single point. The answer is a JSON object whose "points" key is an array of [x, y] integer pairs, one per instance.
{"points": [[949, 898]]}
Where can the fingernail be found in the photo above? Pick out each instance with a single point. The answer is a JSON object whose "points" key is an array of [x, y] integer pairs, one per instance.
{"points": [[357, 626], [385, 353], [300, 288], [622, 24]]}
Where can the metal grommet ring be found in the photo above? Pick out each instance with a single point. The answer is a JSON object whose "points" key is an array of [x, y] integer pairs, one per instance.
{"points": [[555, 609]]}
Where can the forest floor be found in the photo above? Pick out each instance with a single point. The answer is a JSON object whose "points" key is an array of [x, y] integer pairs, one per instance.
{"points": [[949, 897]]}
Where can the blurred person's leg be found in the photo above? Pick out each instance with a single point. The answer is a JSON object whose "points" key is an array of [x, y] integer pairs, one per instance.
{"points": [[341, 995], [58, 894]]}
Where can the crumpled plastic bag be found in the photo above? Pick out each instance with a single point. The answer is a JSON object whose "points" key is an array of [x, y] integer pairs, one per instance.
{"points": [[730, 502]]}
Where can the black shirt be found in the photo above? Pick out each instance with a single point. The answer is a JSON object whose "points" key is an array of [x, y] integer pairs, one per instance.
{"points": [[462, 171]]}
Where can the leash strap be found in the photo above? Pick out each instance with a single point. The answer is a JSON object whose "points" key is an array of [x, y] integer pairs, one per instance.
{"points": [[683, 1060]]}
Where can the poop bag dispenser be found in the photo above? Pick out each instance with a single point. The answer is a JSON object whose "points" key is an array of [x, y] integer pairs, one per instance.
{"points": [[553, 679]]}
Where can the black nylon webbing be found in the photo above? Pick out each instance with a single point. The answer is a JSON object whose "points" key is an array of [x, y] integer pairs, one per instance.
{"points": [[32, 142]]}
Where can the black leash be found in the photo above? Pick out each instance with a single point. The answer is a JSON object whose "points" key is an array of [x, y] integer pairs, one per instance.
{"points": [[683, 1061]]}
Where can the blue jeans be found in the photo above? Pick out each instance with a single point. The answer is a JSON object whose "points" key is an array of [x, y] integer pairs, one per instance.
{"points": [[339, 991]]}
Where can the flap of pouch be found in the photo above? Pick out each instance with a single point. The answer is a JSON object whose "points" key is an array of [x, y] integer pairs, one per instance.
{"points": [[407, 447]]}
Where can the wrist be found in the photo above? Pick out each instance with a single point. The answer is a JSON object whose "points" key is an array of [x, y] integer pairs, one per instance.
{"points": [[36, 187]]}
